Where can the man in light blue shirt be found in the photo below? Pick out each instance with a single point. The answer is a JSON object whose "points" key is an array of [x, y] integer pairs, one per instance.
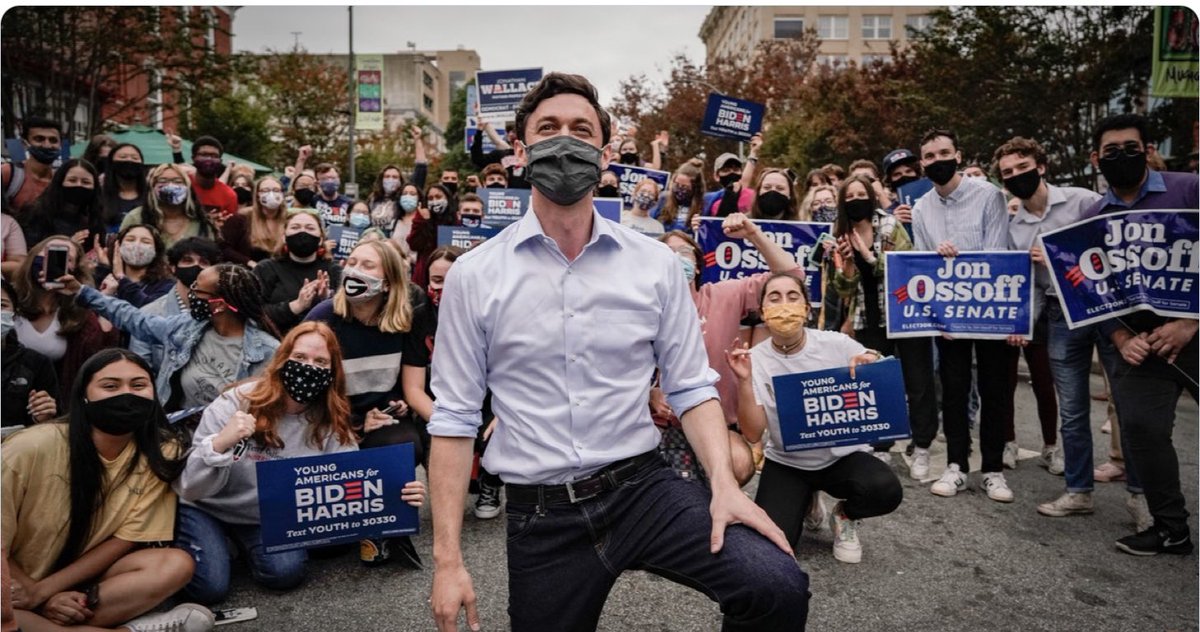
{"points": [[565, 317], [960, 215]]}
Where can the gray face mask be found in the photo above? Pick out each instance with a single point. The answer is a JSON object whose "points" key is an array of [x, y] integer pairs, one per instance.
{"points": [[563, 168]]}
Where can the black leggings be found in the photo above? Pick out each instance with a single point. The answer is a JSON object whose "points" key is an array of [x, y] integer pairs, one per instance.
{"points": [[868, 486], [406, 431]]}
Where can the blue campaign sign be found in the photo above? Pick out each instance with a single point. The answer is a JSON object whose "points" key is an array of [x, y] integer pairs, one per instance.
{"points": [[823, 409], [473, 126], [346, 238], [984, 295], [609, 208], [331, 498], [629, 176], [464, 237], [728, 117], [911, 192], [502, 207], [1119, 263], [500, 91], [729, 258]]}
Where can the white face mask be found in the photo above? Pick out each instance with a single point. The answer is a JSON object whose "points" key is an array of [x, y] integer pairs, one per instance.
{"points": [[137, 254], [390, 185], [6, 323], [270, 199]]}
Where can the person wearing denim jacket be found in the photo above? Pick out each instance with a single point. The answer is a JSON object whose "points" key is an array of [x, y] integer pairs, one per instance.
{"points": [[224, 299]]}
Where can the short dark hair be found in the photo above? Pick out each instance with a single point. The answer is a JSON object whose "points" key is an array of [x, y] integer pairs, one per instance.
{"points": [[834, 170], [493, 168], [557, 83], [1023, 147], [206, 141], [29, 123], [326, 167], [1120, 121], [936, 132], [469, 197], [199, 246]]}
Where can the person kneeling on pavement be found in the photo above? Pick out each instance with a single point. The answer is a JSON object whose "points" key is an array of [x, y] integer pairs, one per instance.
{"points": [[789, 480]]}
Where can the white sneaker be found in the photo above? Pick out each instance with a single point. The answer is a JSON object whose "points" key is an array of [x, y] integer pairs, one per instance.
{"points": [[816, 513], [1136, 504], [1010, 455], [1057, 464], [885, 457], [186, 617], [920, 464], [846, 547], [997, 488], [1068, 504], [951, 482]]}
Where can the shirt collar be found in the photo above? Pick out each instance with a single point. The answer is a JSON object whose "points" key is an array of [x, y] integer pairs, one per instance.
{"points": [[530, 227], [1054, 196], [1154, 184]]}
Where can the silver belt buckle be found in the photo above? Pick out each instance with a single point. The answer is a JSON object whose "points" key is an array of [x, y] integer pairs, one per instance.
{"points": [[572, 497]]}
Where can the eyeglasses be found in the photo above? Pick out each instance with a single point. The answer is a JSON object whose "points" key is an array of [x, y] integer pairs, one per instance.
{"points": [[1130, 149]]}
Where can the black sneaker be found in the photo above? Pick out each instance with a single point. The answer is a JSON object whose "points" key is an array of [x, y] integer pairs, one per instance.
{"points": [[1154, 540], [487, 506]]}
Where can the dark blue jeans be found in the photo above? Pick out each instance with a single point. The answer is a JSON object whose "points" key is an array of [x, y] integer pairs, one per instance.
{"points": [[203, 537], [564, 559]]}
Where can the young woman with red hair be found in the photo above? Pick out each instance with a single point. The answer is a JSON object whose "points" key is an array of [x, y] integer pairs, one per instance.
{"points": [[297, 408]]}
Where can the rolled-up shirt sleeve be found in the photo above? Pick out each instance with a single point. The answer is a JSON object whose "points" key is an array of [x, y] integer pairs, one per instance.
{"points": [[459, 360], [687, 379]]}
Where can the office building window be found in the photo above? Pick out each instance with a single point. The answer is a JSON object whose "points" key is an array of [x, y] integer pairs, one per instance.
{"points": [[789, 28], [870, 58], [832, 61], [428, 80], [917, 24], [833, 27], [428, 102], [877, 27]]}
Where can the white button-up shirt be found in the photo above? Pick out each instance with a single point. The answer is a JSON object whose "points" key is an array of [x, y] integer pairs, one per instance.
{"points": [[973, 217], [568, 349]]}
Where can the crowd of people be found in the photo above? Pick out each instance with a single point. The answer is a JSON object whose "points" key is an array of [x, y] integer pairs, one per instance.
{"points": [[167, 326]]}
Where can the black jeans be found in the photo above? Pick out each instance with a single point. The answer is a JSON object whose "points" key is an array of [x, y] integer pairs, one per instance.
{"points": [[1145, 397], [916, 363], [870, 488], [563, 559], [996, 402]]}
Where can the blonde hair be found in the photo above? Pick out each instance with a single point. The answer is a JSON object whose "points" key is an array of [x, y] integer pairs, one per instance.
{"points": [[397, 310], [153, 215], [806, 204], [261, 236]]}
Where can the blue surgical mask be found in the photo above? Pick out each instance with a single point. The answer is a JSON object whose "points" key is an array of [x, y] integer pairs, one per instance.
{"points": [[408, 203], [6, 323], [689, 269], [358, 220]]}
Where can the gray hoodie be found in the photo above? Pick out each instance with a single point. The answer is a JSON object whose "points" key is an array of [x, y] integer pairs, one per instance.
{"points": [[227, 489]]}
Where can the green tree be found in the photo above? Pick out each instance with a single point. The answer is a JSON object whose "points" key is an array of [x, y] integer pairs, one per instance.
{"points": [[309, 99], [456, 156], [242, 124], [109, 62]]}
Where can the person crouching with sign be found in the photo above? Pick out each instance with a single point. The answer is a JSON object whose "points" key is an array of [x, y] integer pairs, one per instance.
{"points": [[789, 479], [297, 408]]}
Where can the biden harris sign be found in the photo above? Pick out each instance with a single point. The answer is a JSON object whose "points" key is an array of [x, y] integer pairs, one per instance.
{"points": [[823, 409]]}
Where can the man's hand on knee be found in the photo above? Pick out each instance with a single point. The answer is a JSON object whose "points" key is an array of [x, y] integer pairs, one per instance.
{"points": [[731, 506]]}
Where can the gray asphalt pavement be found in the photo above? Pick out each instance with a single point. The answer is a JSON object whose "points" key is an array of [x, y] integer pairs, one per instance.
{"points": [[964, 563]]}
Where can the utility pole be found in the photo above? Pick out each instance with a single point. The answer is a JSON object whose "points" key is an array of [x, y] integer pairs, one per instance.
{"points": [[353, 96]]}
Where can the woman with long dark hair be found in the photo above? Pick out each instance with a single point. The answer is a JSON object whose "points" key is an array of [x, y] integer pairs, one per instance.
{"points": [[139, 266], [69, 206], [422, 238], [48, 320], [105, 472], [300, 274], [124, 184], [297, 408]]}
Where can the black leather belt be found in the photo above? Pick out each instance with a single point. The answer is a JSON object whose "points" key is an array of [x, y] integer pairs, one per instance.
{"points": [[576, 491]]}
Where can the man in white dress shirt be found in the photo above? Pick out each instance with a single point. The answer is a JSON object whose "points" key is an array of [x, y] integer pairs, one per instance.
{"points": [[565, 316]]}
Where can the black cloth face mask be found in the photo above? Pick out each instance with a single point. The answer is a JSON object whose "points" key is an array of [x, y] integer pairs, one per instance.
{"points": [[563, 168], [119, 414]]}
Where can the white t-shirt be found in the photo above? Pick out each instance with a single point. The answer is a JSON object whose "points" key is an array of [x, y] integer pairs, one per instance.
{"points": [[644, 225], [822, 350], [47, 343]]}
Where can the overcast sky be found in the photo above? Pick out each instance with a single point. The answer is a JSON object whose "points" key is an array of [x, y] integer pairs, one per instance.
{"points": [[605, 44]]}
